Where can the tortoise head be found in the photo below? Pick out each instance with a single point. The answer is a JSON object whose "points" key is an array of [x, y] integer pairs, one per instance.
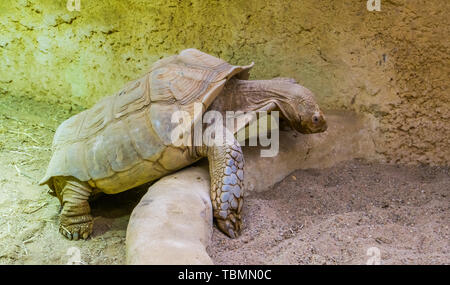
{"points": [[298, 106]]}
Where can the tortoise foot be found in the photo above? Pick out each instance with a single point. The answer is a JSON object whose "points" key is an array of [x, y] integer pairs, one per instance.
{"points": [[229, 227], [78, 227]]}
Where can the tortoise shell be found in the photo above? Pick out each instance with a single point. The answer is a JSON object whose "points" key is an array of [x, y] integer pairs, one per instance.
{"points": [[124, 140]]}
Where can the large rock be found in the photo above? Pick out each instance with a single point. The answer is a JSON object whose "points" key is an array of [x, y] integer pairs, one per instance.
{"points": [[172, 224]]}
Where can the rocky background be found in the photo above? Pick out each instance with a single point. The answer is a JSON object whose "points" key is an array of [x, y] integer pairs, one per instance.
{"points": [[391, 66]]}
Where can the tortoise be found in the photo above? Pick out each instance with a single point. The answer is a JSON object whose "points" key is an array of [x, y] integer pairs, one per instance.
{"points": [[124, 140]]}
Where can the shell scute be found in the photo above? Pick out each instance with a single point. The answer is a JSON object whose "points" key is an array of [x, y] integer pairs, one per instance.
{"points": [[132, 98], [146, 142], [97, 159], [161, 120], [73, 159], [118, 147]]}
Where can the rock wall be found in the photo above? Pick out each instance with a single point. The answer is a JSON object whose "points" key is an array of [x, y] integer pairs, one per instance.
{"points": [[391, 66]]}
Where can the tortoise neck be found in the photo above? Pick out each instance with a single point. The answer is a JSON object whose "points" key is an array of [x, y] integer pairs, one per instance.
{"points": [[258, 92], [250, 86]]}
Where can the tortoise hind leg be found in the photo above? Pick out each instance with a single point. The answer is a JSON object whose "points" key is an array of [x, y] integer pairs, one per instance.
{"points": [[76, 220], [226, 167]]}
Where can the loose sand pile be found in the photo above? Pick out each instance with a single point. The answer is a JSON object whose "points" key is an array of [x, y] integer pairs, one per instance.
{"points": [[313, 216]]}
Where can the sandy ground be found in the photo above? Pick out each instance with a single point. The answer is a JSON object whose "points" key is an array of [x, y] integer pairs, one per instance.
{"points": [[28, 215], [330, 216], [334, 215]]}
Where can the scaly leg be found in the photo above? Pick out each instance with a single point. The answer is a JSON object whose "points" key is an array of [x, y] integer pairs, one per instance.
{"points": [[226, 167], [76, 220]]}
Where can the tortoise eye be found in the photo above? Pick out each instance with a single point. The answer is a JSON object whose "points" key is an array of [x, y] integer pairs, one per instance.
{"points": [[315, 119]]}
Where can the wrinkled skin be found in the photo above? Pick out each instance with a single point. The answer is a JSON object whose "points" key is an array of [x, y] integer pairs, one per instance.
{"points": [[296, 103], [301, 110]]}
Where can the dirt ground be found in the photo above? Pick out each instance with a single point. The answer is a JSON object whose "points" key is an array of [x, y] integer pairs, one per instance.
{"points": [[28, 215], [334, 215], [327, 216]]}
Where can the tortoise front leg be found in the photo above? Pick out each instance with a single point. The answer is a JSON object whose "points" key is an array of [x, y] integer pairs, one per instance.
{"points": [[76, 220], [226, 167]]}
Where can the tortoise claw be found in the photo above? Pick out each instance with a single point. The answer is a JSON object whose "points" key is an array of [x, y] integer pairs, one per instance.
{"points": [[74, 228], [230, 228]]}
